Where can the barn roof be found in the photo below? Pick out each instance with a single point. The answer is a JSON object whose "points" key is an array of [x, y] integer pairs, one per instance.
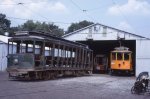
{"points": [[121, 31]]}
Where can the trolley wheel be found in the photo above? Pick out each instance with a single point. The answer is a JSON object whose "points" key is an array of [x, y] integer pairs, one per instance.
{"points": [[46, 75], [111, 72]]}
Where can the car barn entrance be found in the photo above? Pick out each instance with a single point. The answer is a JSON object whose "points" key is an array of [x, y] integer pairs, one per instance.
{"points": [[101, 52]]}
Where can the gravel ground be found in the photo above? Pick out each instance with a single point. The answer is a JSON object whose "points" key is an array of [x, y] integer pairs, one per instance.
{"points": [[96, 86]]}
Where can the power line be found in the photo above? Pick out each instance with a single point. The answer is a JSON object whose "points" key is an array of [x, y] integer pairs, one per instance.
{"points": [[76, 5], [22, 4], [41, 15], [7, 4], [121, 12], [13, 4], [25, 3], [16, 18], [47, 20], [83, 10]]}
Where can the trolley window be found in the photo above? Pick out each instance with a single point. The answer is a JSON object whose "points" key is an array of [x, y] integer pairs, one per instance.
{"points": [[113, 56], [126, 56], [12, 48], [24, 46], [119, 56], [47, 51], [30, 48]]}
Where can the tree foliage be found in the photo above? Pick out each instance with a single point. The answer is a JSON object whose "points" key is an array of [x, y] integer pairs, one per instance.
{"points": [[76, 26], [30, 25], [44, 27], [4, 24]]}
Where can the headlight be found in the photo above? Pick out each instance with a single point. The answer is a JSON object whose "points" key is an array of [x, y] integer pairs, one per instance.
{"points": [[15, 61]]}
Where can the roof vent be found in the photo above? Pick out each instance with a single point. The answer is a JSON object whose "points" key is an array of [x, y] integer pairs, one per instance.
{"points": [[89, 35]]}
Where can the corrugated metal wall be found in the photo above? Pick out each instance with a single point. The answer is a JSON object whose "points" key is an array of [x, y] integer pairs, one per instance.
{"points": [[142, 56], [3, 58]]}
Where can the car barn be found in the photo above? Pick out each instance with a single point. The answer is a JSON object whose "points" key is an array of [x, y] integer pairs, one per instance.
{"points": [[103, 39]]}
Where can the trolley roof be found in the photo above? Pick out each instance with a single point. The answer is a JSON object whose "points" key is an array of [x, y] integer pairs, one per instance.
{"points": [[121, 49], [42, 36]]}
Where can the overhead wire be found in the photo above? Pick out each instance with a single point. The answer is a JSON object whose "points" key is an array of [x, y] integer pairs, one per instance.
{"points": [[32, 11], [76, 5], [83, 10], [25, 3], [46, 19], [121, 12], [37, 20]]}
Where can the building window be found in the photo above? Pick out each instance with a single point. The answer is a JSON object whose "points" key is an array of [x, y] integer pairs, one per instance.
{"points": [[90, 30], [104, 31], [95, 29]]}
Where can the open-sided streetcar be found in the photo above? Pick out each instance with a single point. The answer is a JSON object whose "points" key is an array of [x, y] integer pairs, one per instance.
{"points": [[35, 55]]}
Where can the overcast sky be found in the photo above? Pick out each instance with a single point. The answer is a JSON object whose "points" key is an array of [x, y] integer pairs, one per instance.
{"points": [[129, 15]]}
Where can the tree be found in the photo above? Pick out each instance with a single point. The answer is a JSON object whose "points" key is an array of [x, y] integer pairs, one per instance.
{"points": [[4, 24], [29, 25], [44, 27], [76, 26]]}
